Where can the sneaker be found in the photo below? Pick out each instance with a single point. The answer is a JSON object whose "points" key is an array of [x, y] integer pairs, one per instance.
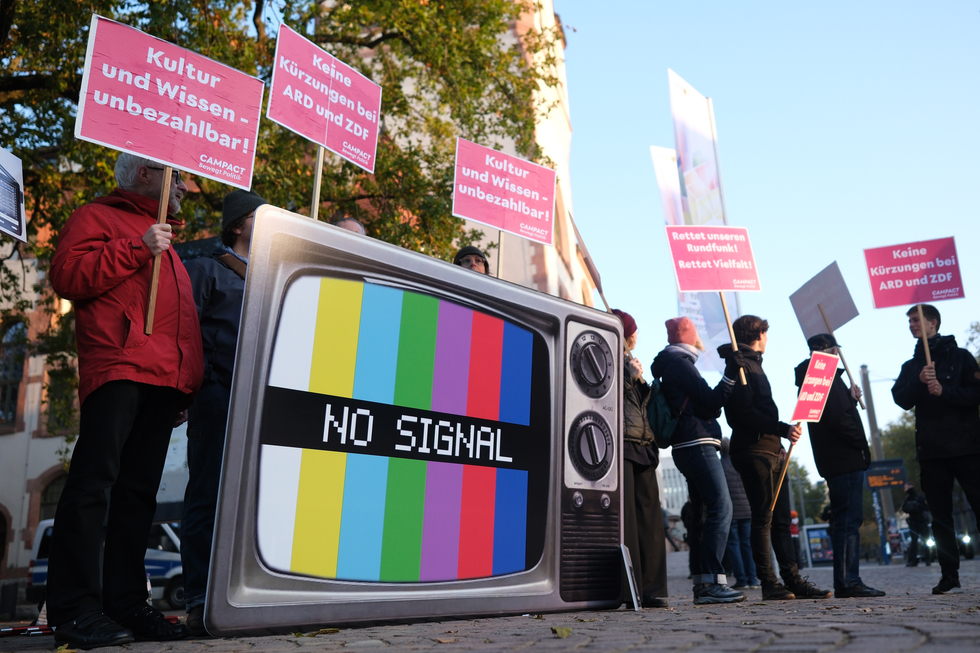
{"points": [[195, 622], [92, 631], [149, 624], [776, 592], [948, 585], [804, 589], [857, 591], [716, 593]]}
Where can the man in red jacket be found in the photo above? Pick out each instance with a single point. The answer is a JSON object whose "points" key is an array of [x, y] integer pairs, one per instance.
{"points": [[132, 389]]}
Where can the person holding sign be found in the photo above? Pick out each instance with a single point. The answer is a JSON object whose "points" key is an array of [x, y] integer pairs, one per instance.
{"points": [[132, 388], [695, 444], [643, 522], [945, 395], [756, 455], [840, 450]]}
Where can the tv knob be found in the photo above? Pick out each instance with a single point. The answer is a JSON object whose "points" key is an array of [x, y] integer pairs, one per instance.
{"points": [[592, 364], [590, 445]]}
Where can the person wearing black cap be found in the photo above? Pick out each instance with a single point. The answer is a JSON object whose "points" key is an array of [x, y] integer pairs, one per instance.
{"points": [[218, 281], [643, 521], [472, 258], [840, 450]]}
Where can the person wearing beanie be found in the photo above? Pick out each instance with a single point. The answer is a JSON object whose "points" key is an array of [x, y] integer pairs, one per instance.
{"points": [[695, 444], [472, 258], [840, 450], [218, 281], [643, 522], [758, 457]]}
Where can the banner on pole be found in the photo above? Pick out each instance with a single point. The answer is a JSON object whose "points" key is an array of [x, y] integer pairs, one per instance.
{"points": [[324, 100], [712, 259], [697, 164], [819, 377], [914, 273], [13, 216], [504, 192], [826, 290], [153, 99]]}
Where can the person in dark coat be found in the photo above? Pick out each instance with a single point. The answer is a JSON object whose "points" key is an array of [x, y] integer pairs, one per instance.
{"points": [[917, 509], [643, 521], [695, 444], [840, 450], [946, 397], [739, 535], [219, 288], [757, 455]]}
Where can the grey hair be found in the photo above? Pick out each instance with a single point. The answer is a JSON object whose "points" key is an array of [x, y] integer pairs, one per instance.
{"points": [[126, 167]]}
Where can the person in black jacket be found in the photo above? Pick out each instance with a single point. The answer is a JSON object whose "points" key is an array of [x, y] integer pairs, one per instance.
{"points": [[946, 396], [840, 450], [643, 521], [695, 443], [218, 281], [757, 455]]}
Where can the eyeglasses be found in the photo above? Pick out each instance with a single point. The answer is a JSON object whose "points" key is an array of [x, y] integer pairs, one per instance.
{"points": [[176, 173]]}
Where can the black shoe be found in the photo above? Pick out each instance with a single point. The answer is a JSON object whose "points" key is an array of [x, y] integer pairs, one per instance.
{"points": [[857, 591], [716, 593], [149, 624], [948, 585], [92, 631], [777, 592], [804, 589], [655, 602], [195, 622]]}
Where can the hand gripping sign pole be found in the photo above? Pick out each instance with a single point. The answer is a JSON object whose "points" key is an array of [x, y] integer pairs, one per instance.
{"points": [[820, 375], [731, 334], [151, 303], [830, 330]]}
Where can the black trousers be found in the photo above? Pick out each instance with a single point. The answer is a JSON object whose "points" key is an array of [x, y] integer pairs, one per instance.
{"points": [[643, 528], [937, 483], [760, 473], [124, 433]]}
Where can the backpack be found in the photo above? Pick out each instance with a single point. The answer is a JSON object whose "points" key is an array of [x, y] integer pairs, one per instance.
{"points": [[661, 418]]}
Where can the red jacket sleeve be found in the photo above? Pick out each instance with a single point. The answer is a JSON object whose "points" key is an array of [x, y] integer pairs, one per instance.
{"points": [[89, 260]]}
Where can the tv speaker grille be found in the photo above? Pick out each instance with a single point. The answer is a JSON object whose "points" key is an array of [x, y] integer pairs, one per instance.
{"points": [[590, 558]]}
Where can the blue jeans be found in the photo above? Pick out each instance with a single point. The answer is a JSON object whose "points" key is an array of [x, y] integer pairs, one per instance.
{"points": [[205, 449], [847, 503], [712, 507], [740, 552]]}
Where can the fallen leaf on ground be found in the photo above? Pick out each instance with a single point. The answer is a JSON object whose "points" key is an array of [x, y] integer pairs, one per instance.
{"points": [[864, 609], [451, 632], [749, 623], [448, 640], [912, 607], [583, 620], [561, 633], [539, 616]]}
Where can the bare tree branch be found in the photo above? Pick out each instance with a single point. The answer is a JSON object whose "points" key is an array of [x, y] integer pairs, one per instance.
{"points": [[364, 42], [257, 21], [14, 87], [6, 22]]}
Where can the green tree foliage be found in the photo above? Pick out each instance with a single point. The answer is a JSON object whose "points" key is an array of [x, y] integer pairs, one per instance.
{"points": [[814, 494], [447, 69], [898, 441]]}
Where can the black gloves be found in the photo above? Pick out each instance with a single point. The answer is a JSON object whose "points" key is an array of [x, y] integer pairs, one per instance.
{"points": [[734, 362]]}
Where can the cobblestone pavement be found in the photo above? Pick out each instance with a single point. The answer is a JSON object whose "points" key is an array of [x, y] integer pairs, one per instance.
{"points": [[909, 618]]}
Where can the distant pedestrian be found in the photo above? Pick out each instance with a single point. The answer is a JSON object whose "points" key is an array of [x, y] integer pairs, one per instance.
{"points": [[945, 395], [840, 451], [643, 522], [917, 509], [695, 445], [739, 535], [667, 533], [759, 457], [472, 258]]}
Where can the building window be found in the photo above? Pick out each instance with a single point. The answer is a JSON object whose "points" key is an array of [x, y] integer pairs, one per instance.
{"points": [[13, 348], [50, 496]]}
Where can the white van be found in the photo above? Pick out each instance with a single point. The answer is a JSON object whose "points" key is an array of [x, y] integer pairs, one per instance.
{"points": [[162, 562]]}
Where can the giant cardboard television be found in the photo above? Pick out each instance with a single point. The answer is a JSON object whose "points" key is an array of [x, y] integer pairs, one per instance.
{"points": [[409, 439]]}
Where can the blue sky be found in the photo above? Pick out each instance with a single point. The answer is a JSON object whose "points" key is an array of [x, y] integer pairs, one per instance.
{"points": [[841, 126]]}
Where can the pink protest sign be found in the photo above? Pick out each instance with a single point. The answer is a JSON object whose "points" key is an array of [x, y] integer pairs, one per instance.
{"points": [[148, 97], [504, 192], [324, 100], [914, 273], [819, 377], [712, 259]]}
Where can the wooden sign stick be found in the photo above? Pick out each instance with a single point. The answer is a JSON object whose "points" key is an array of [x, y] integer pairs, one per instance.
{"points": [[922, 333], [731, 334], [317, 174], [782, 475], [151, 303], [839, 352]]}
